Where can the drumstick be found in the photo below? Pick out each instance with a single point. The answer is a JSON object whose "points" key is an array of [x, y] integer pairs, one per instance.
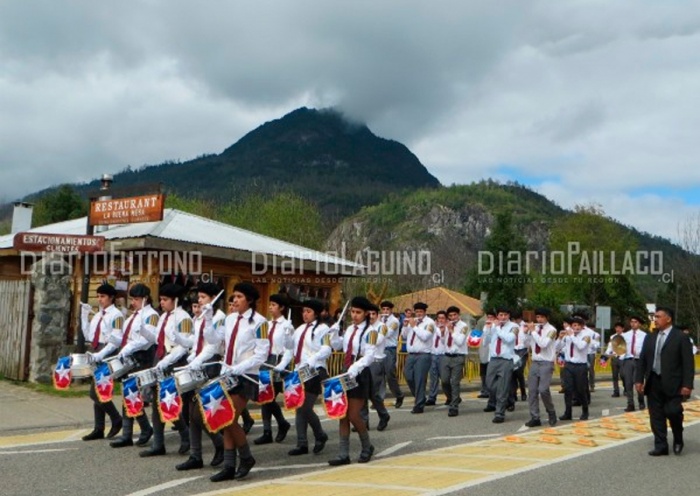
{"points": [[216, 298]]}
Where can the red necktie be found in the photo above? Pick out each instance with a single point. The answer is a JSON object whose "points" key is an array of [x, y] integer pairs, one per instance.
{"points": [[125, 337], [449, 338], [98, 329], [498, 343], [413, 336], [200, 339], [160, 350], [300, 345], [571, 349], [271, 335], [437, 339], [634, 338], [347, 360], [537, 346], [232, 341]]}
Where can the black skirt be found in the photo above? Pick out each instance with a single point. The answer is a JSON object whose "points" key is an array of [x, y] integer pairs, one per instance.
{"points": [[313, 385], [246, 388], [361, 391]]}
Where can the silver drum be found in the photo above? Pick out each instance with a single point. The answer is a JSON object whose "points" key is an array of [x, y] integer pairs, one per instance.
{"points": [[80, 366], [306, 373], [146, 378], [119, 367], [189, 380]]}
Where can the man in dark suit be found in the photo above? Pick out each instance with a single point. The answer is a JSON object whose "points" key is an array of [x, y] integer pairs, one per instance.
{"points": [[665, 374]]}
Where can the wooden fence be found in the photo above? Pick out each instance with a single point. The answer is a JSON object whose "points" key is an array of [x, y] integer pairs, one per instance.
{"points": [[15, 335]]}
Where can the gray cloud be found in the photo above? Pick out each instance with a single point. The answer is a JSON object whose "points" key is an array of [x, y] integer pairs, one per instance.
{"points": [[600, 95]]}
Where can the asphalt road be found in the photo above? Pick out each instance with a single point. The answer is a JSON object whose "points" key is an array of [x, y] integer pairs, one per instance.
{"points": [[59, 463]]}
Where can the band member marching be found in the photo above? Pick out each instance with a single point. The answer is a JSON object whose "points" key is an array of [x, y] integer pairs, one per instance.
{"points": [[377, 372], [616, 361], [104, 334], [247, 419], [634, 339], [311, 346], [246, 348], [417, 332], [202, 354], [501, 336], [391, 342], [279, 334], [172, 346], [575, 342], [358, 343], [541, 337], [452, 364], [138, 341]]}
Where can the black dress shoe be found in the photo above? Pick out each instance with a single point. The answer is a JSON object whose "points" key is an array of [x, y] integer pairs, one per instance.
{"points": [[552, 421], [677, 448], [630, 408], [447, 402], [248, 425], [366, 455], [218, 457], [615, 395], [533, 422], [94, 435], [498, 420], [114, 430], [658, 452], [417, 409], [122, 442], [144, 438], [490, 409], [584, 416], [244, 467], [228, 473], [398, 403], [320, 443], [299, 450], [152, 452], [510, 408], [383, 422], [565, 417], [191, 464], [266, 438], [282, 432], [483, 395], [453, 412], [430, 403], [523, 397], [336, 462], [642, 406]]}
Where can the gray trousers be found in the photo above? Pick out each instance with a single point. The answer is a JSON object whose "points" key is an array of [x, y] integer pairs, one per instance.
{"points": [[629, 368], [498, 377], [616, 367], [538, 381], [376, 372], [451, 372], [434, 387], [591, 370], [416, 373], [101, 410], [390, 371], [306, 416]]}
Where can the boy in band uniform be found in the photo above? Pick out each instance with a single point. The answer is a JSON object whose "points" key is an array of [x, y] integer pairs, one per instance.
{"points": [[452, 365], [541, 338], [391, 342], [634, 340], [501, 336], [417, 333], [575, 342]]}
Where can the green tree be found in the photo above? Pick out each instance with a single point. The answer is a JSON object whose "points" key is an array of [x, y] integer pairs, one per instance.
{"points": [[58, 205], [195, 206], [500, 275], [286, 216], [598, 249]]}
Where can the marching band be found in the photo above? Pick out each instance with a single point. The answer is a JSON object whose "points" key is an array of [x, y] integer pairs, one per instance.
{"points": [[200, 371]]}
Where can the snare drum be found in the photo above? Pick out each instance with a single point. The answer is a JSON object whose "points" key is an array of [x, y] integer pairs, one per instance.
{"points": [[146, 378], [306, 373], [80, 366], [189, 380], [120, 366], [228, 382], [348, 382]]}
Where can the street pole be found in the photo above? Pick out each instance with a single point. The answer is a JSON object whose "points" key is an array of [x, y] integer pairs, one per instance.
{"points": [[106, 182]]}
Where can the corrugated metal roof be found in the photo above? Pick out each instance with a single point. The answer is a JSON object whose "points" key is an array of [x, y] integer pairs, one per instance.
{"points": [[182, 226]]}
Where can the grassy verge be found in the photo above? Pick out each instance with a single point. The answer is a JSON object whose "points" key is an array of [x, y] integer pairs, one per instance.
{"points": [[76, 390]]}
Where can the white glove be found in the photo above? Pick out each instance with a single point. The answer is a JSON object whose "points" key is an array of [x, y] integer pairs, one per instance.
{"points": [[353, 371], [236, 370], [195, 366], [279, 369], [91, 358], [335, 328], [161, 366], [207, 311], [85, 309]]}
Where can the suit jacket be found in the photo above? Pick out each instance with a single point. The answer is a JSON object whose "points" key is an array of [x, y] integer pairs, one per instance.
{"points": [[677, 363]]}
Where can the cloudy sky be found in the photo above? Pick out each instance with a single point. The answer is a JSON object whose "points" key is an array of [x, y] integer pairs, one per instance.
{"points": [[585, 101]]}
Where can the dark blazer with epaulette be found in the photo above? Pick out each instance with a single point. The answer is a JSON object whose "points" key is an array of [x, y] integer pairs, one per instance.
{"points": [[677, 364]]}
